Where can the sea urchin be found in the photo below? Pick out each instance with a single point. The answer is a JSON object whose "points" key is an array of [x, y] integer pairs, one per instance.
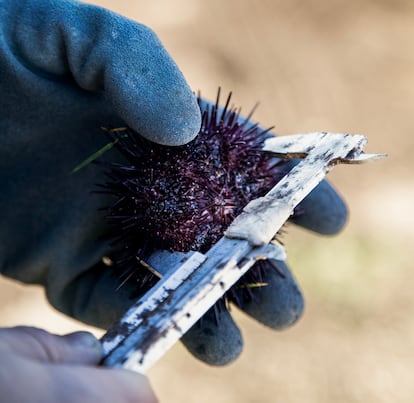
{"points": [[183, 198]]}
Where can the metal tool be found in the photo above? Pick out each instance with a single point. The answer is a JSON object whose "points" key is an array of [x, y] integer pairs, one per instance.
{"points": [[195, 281]]}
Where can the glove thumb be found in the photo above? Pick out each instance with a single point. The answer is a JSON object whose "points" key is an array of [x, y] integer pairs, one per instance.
{"points": [[106, 54]]}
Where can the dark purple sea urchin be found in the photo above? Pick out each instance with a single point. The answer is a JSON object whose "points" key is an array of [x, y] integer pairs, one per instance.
{"points": [[183, 198]]}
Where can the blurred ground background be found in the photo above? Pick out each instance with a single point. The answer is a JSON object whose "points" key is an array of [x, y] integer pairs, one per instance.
{"points": [[337, 65]]}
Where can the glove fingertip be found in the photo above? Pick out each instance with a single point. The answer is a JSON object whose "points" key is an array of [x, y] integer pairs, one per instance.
{"points": [[180, 122], [171, 117], [215, 339], [277, 305], [324, 211]]}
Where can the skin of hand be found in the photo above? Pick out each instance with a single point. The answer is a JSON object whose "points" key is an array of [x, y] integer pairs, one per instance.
{"points": [[68, 69], [40, 367]]}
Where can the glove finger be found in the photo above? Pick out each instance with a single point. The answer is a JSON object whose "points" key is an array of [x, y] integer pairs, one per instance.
{"points": [[102, 51], [279, 303], [215, 339], [324, 211]]}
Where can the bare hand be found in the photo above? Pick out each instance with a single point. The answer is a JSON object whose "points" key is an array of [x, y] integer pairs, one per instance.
{"points": [[39, 367]]}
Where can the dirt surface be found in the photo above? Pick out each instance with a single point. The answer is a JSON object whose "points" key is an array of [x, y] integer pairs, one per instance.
{"points": [[341, 66]]}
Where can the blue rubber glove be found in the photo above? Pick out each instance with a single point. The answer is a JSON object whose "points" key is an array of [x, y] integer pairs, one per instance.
{"points": [[67, 69]]}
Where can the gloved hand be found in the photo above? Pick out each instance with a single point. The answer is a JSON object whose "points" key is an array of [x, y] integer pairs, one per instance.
{"points": [[66, 69]]}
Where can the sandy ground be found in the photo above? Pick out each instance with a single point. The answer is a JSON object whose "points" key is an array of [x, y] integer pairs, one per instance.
{"points": [[344, 66]]}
